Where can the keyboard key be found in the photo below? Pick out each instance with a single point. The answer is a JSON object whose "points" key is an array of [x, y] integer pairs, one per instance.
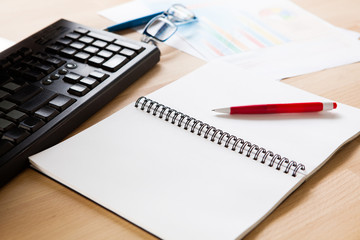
{"points": [[82, 57], [25, 51], [113, 48], [96, 61], [68, 52], [32, 124], [55, 76], [99, 43], [45, 68], [25, 94], [127, 52], [78, 90], [14, 57], [81, 30], [33, 74], [114, 63], [90, 82], [63, 71], [12, 87], [99, 75], [46, 113], [30, 61], [47, 81], [16, 70], [86, 39], [61, 102], [5, 125], [64, 41], [41, 56], [129, 45], [101, 37], [38, 101], [15, 135], [71, 65], [55, 61], [77, 45], [16, 116], [3, 94], [105, 54], [72, 78], [91, 49], [5, 146], [73, 35], [54, 48], [7, 106]]}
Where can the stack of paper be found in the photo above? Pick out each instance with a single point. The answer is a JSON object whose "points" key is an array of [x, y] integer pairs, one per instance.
{"points": [[275, 37]]}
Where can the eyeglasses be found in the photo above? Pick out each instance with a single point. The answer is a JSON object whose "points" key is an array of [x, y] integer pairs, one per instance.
{"points": [[163, 26]]}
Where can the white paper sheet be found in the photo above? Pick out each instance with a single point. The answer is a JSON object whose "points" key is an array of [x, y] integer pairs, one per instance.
{"points": [[178, 185], [276, 37], [299, 58]]}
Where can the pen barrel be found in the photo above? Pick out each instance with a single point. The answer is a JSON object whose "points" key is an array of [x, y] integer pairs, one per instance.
{"points": [[132, 23], [281, 108]]}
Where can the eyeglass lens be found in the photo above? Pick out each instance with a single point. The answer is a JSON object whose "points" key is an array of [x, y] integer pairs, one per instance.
{"points": [[161, 29], [178, 13]]}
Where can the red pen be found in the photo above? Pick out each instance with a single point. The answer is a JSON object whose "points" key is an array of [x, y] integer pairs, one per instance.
{"points": [[279, 108]]}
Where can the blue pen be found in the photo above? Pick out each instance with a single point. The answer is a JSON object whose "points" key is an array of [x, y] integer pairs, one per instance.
{"points": [[132, 23]]}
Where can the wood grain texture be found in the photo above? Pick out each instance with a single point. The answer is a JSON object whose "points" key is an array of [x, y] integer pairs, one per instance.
{"points": [[327, 206]]}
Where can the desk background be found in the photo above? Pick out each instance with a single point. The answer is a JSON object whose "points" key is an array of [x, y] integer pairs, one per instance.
{"points": [[327, 206]]}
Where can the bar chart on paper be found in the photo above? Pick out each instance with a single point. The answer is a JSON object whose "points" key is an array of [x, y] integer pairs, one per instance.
{"points": [[231, 27], [276, 38], [244, 33]]}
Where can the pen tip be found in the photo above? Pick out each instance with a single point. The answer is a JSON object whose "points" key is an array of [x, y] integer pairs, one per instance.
{"points": [[222, 110]]}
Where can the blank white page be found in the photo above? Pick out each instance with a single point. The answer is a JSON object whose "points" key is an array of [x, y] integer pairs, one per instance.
{"points": [[165, 179], [178, 185]]}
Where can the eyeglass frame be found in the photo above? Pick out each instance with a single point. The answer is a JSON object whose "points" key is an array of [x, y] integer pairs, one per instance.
{"points": [[166, 17]]}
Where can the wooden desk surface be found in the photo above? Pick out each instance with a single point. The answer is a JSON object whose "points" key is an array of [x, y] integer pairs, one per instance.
{"points": [[327, 206]]}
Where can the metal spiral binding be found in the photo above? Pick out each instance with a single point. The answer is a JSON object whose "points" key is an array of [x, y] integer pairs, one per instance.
{"points": [[234, 142]]}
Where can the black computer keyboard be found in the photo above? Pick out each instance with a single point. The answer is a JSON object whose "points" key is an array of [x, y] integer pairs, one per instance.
{"points": [[55, 79]]}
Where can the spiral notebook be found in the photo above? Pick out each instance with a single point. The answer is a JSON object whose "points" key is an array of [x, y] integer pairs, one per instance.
{"points": [[171, 166]]}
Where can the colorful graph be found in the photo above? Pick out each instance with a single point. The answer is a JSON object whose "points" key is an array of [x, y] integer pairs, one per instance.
{"points": [[234, 34], [229, 27]]}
